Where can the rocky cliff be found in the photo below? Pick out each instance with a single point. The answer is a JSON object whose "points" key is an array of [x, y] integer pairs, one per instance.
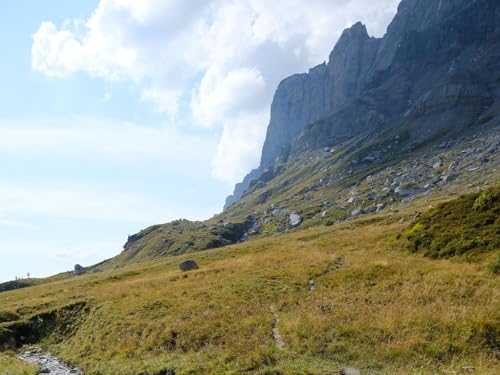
{"points": [[435, 72]]}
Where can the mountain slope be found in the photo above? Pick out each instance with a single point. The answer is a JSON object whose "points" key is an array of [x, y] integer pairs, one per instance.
{"points": [[436, 70], [367, 127]]}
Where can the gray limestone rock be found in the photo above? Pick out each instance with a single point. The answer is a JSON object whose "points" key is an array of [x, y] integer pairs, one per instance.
{"points": [[78, 270], [356, 212], [188, 265], [295, 219]]}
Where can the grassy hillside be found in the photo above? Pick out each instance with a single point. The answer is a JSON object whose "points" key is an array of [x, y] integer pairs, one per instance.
{"points": [[372, 306], [465, 227], [326, 186]]}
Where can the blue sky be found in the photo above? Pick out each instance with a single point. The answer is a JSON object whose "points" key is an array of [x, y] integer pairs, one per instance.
{"points": [[119, 114]]}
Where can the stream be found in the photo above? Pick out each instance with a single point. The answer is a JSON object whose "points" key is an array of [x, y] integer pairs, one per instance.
{"points": [[48, 364]]}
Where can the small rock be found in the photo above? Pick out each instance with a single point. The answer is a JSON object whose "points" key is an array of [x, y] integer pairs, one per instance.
{"points": [[295, 219], [351, 199], [380, 206], [350, 371], [188, 265], [356, 212]]}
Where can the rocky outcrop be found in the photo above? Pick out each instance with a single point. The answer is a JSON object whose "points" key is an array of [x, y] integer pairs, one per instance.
{"points": [[306, 98], [78, 270], [433, 74]]}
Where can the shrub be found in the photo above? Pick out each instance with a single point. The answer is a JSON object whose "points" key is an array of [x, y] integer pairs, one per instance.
{"points": [[483, 201], [467, 226]]}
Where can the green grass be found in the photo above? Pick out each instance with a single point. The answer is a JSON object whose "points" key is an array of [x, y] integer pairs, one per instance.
{"points": [[10, 365], [465, 227], [384, 311]]}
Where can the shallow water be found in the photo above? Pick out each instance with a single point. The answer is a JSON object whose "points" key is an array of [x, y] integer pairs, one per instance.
{"points": [[48, 363]]}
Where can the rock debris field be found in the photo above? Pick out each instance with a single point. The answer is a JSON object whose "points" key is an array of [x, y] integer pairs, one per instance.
{"points": [[48, 364]]}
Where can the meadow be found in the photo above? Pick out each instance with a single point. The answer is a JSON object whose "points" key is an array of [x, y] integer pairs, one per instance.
{"points": [[374, 306]]}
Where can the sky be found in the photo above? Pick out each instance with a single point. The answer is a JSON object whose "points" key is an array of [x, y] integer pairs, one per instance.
{"points": [[119, 114]]}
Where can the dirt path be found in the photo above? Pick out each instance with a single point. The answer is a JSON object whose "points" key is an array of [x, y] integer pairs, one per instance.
{"points": [[48, 364], [276, 331]]}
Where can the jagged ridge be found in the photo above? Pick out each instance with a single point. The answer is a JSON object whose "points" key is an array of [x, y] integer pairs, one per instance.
{"points": [[437, 57]]}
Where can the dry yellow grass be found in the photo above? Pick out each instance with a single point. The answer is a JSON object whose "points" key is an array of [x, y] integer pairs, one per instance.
{"points": [[382, 310]]}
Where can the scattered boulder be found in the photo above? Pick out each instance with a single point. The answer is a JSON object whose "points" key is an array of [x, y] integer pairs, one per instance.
{"points": [[370, 209], [295, 219], [436, 165], [188, 265], [279, 212], [356, 212], [408, 191], [78, 270]]}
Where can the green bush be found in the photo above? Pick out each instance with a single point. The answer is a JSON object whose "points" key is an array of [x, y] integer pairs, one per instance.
{"points": [[483, 201], [466, 226]]}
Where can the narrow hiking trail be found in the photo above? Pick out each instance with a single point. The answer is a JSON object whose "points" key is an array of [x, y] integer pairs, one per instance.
{"points": [[276, 331], [311, 283], [48, 364]]}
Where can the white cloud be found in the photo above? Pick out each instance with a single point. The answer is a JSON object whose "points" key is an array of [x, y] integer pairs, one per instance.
{"points": [[227, 55], [226, 95], [241, 137], [102, 140]]}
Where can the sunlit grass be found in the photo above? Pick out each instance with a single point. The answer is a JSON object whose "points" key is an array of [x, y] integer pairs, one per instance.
{"points": [[383, 310], [10, 365]]}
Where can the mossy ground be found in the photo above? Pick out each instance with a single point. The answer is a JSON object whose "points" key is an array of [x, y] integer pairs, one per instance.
{"points": [[385, 311]]}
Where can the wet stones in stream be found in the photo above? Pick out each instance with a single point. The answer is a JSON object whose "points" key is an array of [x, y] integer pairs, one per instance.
{"points": [[48, 364]]}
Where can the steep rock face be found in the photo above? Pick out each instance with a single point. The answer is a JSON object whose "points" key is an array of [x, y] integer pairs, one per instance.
{"points": [[305, 98], [436, 68], [240, 188], [441, 78]]}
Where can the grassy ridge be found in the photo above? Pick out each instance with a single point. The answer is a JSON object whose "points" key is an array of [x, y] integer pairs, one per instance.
{"points": [[385, 311]]}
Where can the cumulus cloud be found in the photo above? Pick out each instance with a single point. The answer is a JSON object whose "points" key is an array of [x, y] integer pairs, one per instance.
{"points": [[223, 57]]}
